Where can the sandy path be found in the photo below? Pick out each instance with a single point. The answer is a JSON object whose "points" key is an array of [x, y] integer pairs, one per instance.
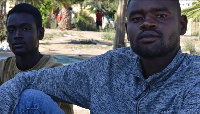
{"points": [[67, 44]]}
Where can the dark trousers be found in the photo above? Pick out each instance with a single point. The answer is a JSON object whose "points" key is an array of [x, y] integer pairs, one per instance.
{"points": [[98, 23]]}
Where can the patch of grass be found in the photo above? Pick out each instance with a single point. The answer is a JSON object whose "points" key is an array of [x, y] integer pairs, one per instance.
{"points": [[108, 36], [90, 41], [49, 36]]}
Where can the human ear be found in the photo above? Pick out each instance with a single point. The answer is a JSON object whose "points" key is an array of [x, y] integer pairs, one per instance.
{"points": [[41, 33], [183, 22]]}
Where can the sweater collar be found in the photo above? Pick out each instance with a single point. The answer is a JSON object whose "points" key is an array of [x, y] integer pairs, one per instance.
{"points": [[164, 74]]}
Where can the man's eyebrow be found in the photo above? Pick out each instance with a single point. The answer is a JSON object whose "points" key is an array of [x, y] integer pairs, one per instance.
{"points": [[10, 26], [152, 10], [21, 25], [25, 24], [159, 9], [136, 12]]}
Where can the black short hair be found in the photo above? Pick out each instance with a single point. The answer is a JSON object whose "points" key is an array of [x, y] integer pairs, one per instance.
{"points": [[176, 2], [27, 8]]}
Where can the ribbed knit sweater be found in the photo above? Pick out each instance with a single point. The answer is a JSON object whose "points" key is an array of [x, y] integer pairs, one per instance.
{"points": [[113, 83]]}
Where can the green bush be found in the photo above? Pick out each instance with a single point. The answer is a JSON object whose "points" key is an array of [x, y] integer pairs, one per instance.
{"points": [[83, 22], [196, 34], [190, 46], [45, 9], [3, 35]]}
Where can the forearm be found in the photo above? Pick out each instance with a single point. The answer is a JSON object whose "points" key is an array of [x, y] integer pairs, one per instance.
{"points": [[10, 92], [63, 83], [70, 83]]}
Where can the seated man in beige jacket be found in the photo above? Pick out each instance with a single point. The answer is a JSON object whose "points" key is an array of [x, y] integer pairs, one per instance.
{"points": [[24, 30]]}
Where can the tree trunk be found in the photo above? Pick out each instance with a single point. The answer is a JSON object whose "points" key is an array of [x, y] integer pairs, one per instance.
{"points": [[199, 30], [52, 21], [2, 16], [65, 23], [4, 7], [120, 24]]}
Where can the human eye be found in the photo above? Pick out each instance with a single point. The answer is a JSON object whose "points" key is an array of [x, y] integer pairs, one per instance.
{"points": [[161, 16], [10, 30], [26, 28], [137, 19]]}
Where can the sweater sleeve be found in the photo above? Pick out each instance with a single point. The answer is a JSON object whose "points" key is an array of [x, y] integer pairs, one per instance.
{"points": [[70, 83]]}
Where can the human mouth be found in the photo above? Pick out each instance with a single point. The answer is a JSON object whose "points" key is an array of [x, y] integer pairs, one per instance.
{"points": [[18, 45], [148, 37]]}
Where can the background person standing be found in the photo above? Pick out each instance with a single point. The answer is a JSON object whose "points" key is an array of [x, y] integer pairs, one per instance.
{"points": [[98, 19]]}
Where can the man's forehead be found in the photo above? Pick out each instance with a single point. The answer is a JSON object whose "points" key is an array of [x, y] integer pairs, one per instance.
{"points": [[21, 16], [152, 0], [151, 4], [20, 19], [136, 2]]}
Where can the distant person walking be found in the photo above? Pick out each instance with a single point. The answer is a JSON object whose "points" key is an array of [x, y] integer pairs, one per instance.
{"points": [[98, 19], [112, 15]]}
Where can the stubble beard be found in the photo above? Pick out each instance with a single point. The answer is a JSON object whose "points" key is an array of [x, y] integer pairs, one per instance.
{"points": [[156, 50]]}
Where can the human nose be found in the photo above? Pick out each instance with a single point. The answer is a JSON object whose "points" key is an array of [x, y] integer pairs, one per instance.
{"points": [[18, 34], [149, 23]]}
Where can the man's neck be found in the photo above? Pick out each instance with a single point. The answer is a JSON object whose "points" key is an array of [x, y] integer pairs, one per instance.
{"points": [[152, 66], [28, 61]]}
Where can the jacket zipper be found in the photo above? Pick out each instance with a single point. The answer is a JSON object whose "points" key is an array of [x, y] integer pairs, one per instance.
{"points": [[141, 98]]}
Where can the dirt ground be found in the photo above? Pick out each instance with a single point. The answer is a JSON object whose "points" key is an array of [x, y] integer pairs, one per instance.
{"points": [[73, 43]]}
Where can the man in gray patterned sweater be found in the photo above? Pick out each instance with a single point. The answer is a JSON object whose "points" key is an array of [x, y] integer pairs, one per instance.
{"points": [[151, 76]]}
